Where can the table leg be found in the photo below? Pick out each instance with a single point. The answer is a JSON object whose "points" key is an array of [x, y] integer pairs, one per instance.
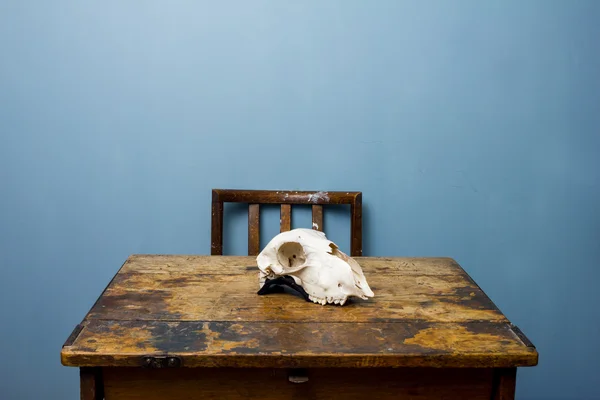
{"points": [[505, 380], [90, 383]]}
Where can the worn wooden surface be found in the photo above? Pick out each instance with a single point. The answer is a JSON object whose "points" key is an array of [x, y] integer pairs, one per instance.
{"points": [[426, 312], [268, 384], [286, 198]]}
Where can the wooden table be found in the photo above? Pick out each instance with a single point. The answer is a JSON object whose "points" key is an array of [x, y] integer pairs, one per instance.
{"points": [[191, 327]]}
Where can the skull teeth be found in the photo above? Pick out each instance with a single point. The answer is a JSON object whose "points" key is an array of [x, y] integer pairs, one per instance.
{"points": [[327, 300]]}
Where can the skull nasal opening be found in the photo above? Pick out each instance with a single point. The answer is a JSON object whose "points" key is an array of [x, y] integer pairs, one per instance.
{"points": [[291, 255]]}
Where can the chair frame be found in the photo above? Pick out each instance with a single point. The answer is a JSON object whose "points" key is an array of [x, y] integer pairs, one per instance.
{"points": [[285, 198]]}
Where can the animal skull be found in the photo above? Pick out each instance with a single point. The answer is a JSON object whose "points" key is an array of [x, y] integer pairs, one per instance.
{"points": [[316, 264]]}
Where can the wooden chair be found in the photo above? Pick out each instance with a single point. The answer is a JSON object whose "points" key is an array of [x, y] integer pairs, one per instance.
{"points": [[285, 198]]}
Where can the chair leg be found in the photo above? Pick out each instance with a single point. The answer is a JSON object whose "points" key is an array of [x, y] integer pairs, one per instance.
{"points": [[90, 383]]}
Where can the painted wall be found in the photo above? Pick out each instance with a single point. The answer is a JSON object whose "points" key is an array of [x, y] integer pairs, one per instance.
{"points": [[472, 128]]}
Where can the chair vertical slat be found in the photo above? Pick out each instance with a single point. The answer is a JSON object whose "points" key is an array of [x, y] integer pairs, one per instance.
{"points": [[253, 229], [356, 227], [216, 230], [285, 219], [317, 217]]}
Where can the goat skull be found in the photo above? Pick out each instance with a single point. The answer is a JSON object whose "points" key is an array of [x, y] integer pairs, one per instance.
{"points": [[316, 264]]}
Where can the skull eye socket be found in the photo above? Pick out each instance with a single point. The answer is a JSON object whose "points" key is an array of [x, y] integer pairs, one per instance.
{"points": [[291, 255]]}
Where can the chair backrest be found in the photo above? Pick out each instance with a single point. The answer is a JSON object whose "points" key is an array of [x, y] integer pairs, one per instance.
{"points": [[286, 198]]}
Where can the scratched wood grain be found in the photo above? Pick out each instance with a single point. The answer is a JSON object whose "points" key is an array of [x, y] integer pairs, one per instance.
{"points": [[203, 302], [426, 312], [307, 344], [226, 265], [152, 288]]}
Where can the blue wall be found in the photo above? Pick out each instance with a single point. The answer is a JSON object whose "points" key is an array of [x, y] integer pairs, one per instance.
{"points": [[472, 127]]}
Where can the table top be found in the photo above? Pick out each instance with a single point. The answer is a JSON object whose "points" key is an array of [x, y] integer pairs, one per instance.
{"points": [[204, 310]]}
